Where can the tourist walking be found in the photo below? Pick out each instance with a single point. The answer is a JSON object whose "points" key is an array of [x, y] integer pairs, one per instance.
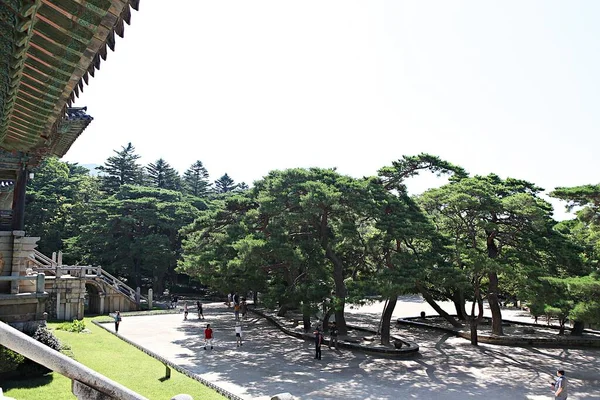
{"points": [[333, 333], [200, 311], [185, 311], [228, 300], [238, 334], [559, 387], [117, 321], [244, 308], [236, 311], [318, 342], [208, 337]]}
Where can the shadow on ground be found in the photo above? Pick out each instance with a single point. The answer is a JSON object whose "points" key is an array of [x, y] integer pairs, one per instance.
{"points": [[271, 362]]}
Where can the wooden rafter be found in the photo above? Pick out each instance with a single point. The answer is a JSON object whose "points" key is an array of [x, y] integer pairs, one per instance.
{"points": [[48, 49]]}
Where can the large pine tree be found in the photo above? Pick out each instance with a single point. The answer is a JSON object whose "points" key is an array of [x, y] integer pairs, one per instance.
{"points": [[121, 169], [161, 175], [225, 184], [195, 180]]}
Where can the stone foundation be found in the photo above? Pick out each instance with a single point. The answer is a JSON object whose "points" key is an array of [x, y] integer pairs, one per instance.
{"points": [[19, 301], [67, 296]]}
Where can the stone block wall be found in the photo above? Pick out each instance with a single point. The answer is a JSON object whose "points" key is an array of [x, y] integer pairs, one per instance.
{"points": [[6, 246], [19, 301], [67, 298], [23, 247]]}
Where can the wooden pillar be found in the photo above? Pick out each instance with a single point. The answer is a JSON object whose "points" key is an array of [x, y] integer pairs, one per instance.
{"points": [[18, 205]]}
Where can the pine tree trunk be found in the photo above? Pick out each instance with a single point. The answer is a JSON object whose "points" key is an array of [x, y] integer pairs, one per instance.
{"points": [[429, 299], [338, 277], [326, 317], [473, 320], [474, 339], [306, 322], [578, 328], [494, 304], [283, 310], [386, 319], [458, 298]]}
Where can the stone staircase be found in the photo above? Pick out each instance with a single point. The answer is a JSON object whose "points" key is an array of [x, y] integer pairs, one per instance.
{"points": [[62, 280]]}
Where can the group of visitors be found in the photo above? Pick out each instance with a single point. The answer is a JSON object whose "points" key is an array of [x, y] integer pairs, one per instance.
{"points": [[240, 306], [199, 308], [233, 299]]}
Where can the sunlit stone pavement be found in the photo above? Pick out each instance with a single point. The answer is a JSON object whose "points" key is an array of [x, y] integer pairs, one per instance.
{"points": [[271, 362]]}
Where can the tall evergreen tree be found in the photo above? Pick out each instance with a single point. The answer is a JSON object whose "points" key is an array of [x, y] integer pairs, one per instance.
{"points": [[225, 184], [195, 180], [242, 186], [121, 169], [161, 175]]}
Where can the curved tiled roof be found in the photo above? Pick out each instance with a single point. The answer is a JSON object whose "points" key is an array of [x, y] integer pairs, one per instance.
{"points": [[48, 49]]}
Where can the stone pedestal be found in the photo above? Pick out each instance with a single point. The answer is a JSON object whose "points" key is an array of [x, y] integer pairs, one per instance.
{"points": [[20, 302]]}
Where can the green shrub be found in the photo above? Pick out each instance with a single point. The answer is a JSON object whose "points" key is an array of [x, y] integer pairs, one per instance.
{"points": [[9, 361], [43, 335], [15, 366], [76, 326], [30, 368]]}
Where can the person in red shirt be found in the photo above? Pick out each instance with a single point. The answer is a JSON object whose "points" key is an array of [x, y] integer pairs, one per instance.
{"points": [[208, 337]]}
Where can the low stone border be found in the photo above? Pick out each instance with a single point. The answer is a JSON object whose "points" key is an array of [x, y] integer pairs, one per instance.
{"points": [[560, 341], [411, 350], [176, 367]]}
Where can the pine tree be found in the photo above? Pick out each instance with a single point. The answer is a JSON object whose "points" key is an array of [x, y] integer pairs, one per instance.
{"points": [[121, 169], [195, 180], [161, 175], [242, 186], [225, 184]]}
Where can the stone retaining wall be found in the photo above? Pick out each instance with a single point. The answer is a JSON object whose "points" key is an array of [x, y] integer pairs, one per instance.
{"points": [[409, 349], [559, 341]]}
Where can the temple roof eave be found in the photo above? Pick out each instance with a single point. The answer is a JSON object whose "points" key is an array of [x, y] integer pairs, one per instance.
{"points": [[48, 49]]}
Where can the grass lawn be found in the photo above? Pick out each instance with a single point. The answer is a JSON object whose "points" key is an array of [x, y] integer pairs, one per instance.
{"points": [[115, 359]]}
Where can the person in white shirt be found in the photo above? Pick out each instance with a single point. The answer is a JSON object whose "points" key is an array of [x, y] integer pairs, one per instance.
{"points": [[238, 334]]}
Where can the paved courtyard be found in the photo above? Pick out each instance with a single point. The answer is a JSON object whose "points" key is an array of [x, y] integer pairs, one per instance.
{"points": [[271, 362]]}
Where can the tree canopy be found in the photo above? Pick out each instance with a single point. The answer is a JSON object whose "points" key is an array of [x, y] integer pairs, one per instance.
{"points": [[314, 240]]}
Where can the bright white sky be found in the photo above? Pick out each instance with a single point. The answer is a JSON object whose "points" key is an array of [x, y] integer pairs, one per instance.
{"points": [[509, 87]]}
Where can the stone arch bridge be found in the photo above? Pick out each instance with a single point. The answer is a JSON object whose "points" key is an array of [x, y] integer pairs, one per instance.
{"points": [[40, 287], [75, 290]]}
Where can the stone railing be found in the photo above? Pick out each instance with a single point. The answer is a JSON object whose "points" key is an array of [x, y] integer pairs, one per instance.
{"points": [[49, 266], [39, 278], [118, 285], [87, 383], [42, 260]]}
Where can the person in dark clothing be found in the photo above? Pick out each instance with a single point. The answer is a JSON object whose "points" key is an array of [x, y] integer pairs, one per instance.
{"points": [[318, 343], [333, 332], [200, 310], [117, 321], [244, 308], [559, 387]]}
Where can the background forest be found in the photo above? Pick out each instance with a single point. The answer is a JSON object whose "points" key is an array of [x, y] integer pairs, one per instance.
{"points": [[313, 239]]}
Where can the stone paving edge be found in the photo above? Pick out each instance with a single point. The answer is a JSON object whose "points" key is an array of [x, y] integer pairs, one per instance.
{"points": [[411, 351], [511, 341]]}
